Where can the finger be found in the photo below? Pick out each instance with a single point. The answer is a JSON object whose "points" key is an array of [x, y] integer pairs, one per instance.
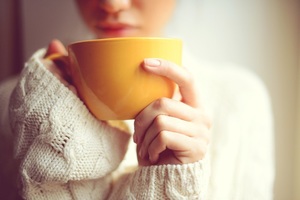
{"points": [[184, 148], [177, 74], [56, 47], [142, 161], [163, 123], [167, 123], [163, 106], [56, 52]]}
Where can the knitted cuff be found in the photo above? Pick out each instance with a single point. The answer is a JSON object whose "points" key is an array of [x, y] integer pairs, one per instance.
{"points": [[186, 181]]}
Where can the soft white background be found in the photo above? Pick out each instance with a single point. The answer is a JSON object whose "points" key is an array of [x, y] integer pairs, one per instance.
{"points": [[262, 35]]}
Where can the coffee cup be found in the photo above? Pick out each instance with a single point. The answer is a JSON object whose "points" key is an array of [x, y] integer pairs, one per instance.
{"points": [[108, 76]]}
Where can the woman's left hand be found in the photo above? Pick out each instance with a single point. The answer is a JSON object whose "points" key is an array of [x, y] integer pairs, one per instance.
{"points": [[172, 131]]}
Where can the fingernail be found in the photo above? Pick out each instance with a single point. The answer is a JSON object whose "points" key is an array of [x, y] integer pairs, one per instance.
{"points": [[152, 62], [134, 138]]}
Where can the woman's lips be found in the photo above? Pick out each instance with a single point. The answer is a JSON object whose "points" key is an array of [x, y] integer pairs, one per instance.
{"points": [[116, 30]]}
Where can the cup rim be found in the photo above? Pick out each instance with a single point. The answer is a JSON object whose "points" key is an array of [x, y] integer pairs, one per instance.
{"points": [[125, 38]]}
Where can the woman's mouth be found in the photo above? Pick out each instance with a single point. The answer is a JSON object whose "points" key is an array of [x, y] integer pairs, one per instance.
{"points": [[116, 30]]}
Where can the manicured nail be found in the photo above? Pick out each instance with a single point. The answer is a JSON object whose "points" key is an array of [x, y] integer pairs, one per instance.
{"points": [[152, 62], [135, 138]]}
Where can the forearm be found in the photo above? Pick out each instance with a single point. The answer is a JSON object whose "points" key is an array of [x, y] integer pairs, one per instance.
{"points": [[57, 139]]}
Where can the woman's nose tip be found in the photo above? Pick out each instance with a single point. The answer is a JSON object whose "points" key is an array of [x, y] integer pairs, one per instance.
{"points": [[113, 6]]}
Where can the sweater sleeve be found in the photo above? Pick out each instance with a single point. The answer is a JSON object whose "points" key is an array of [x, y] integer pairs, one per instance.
{"points": [[243, 138], [58, 141], [186, 181], [258, 144]]}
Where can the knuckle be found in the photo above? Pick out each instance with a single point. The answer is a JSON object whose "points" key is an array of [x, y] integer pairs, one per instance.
{"points": [[162, 137], [204, 136], [200, 152], [160, 104], [205, 119], [159, 122], [188, 78], [138, 122], [198, 149]]}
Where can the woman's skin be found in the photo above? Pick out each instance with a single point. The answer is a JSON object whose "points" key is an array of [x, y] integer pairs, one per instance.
{"points": [[123, 18], [167, 131]]}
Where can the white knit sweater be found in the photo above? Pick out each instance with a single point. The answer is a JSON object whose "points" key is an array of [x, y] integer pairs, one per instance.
{"points": [[63, 152]]}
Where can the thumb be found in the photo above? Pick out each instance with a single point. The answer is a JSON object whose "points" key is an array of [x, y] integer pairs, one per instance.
{"points": [[56, 47]]}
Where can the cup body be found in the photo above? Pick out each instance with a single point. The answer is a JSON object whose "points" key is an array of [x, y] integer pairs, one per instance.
{"points": [[110, 80]]}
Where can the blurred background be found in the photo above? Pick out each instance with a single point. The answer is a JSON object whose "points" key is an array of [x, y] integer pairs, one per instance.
{"points": [[261, 35]]}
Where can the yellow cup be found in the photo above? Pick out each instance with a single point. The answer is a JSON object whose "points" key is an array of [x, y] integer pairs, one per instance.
{"points": [[108, 76]]}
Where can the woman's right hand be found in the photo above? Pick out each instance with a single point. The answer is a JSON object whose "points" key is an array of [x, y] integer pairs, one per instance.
{"points": [[58, 69]]}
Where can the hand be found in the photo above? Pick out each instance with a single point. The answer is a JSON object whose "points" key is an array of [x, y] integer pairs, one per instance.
{"points": [[58, 68], [170, 131]]}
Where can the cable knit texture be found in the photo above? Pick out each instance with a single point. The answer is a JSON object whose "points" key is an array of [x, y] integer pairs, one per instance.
{"points": [[66, 153], [159, 182], [63, 152]]}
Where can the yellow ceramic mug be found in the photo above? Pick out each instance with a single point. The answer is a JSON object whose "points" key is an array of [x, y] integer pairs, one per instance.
{"points": [[110, 80]]}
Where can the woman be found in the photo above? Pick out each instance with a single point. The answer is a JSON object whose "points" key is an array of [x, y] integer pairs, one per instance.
{"points": [[65, 153]]}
